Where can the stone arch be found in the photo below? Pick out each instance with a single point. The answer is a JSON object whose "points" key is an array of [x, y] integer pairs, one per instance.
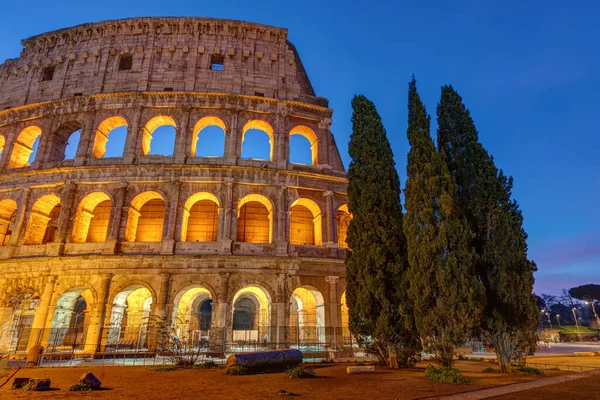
{"points": [[8, 211], [103, 131], [2, 144], [250, 313], [191, 322], [306, 222], [200, 218], [23, 147], [312, 138], [130, 313], [255, 224], [16, 324], [263, 126], [307, 315], [202, 123], [43, 220], [68, 329], [153, 124], [150, 208], [67, 135], [92, 218], [343, 218]]}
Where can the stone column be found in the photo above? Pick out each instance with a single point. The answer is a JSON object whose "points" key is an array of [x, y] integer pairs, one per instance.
{"points": [[180, 151], [134, 138], [20, 222], [86, 136], [114, 225], [219, 330], [324, 137], [97, 318], [331, 234], [333, 324], [159, 313], [281, 236], [280, 318], [281, 139], [168, 239], [232, 137], [64, 220], [39, 328]]}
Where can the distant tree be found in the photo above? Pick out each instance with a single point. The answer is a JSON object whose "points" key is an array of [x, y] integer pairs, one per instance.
{"points": [[540, 303], [510, 317], [376, 285], [587, 292], [444, 288]]}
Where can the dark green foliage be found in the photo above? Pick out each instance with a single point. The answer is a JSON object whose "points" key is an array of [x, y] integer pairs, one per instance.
{"points": [[490, 370], [444, 289], [236, 370], [484, 193], [376, 264], [589, 292], [82, 386], [529, 370], [299, 372], [285, 393], [163, 368], [446, 375]]}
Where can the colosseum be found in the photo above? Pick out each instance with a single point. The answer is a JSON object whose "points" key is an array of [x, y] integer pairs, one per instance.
{"points": [[103, 232]]}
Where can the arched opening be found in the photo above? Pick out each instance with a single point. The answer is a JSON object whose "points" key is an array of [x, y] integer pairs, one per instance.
{"points": [[200, 218], [42, 227], [251, 311], [128, 329], [91, 219], [2, 144], [343, 218], [72, 145], [64, 142], [146, 218], [8, 211], [255, 219], [208, 138], [160, 132], [70, 321], [110, 138], [257, 140], [304, 146], [346, 336], [15, 325], [307, 317], [192, 316], [25, 147], [305, 223]]}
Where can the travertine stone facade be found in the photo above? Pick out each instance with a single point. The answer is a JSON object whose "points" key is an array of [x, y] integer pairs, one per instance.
{"points": [[94, 247]]}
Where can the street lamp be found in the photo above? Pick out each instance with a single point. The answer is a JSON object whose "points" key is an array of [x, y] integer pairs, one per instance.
{"points": [[591, 302], [576, 323], [558, 319], [549, 321]]}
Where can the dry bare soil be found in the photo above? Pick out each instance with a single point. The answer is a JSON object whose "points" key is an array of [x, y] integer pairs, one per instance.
{"points": [[331, 383]]}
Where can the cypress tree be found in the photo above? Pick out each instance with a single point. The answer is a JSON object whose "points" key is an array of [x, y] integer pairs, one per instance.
{"points": [[510, 316], [375, 266], [444, 289]]}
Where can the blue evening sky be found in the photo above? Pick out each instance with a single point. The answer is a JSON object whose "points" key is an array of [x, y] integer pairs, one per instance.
{"points": [[528, 71]]}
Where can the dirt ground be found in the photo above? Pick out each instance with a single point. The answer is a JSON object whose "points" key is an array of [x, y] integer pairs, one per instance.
{"points": [[331, 383], [586, 388]]}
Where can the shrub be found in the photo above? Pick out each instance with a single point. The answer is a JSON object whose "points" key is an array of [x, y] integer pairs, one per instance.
{"points": [[446, 375], [236, 370], [529, 370], [490, 370], [81, 386], [163, 368], [206, 365], [299, 372], [283, 392]]}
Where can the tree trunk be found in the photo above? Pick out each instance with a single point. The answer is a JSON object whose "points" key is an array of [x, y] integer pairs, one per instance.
{"points": [[392, 356], [503, 349], [445, 356]]}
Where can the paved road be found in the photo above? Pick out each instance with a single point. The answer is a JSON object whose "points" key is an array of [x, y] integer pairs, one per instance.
{"points": [[553, 349]]}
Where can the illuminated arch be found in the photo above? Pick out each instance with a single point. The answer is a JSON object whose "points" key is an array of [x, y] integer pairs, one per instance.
{"points": [[43, 220], [70, 319], [201, 124], [307, 315], [343, 218], [203, 207], [150, 127], [103, 133], [2, 144], [130, 315], [303, 230], [91, 218], [261, 126], [312, 138], [8, 209], [251, 313], [23, 147], [192, 312], [259, 224], [150, 208]]}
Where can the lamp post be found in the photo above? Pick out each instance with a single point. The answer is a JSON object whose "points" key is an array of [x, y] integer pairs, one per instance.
{"points": [[549, 321], [576, 323], [591, 302], [558, 319]]}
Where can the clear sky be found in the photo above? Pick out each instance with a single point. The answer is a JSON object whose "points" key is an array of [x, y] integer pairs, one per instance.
{"points": [[528, 71]]}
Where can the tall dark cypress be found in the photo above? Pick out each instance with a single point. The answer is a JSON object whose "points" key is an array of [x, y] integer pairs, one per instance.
{"points": [[444, 288], [510, 316], [376, 264]]}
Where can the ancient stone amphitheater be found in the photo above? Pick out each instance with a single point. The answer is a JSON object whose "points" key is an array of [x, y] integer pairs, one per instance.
{"points": [[101, 240]]}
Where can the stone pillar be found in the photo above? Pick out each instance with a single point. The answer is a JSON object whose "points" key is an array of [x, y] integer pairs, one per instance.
{"points": [[232, 137], [39, 327], [168, 239], [280, 310], [333, 324], [281, 139], [97, 317], [331, 233], [159, 314], [87, 135], [19, 225], [180, 151], [64, 220], [281, 236], [134, 138], [220, 331], [324, 138]]}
